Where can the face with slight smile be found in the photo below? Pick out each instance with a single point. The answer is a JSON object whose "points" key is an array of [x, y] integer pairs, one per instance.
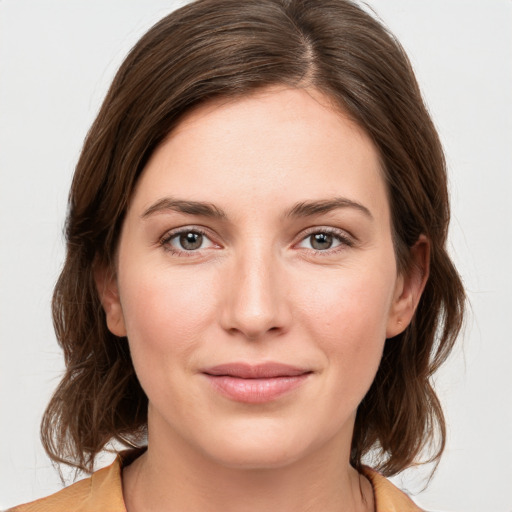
{"points": [[256, 279]]}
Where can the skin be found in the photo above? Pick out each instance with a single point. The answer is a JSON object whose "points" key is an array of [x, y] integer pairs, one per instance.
{"points": [[257, 290]]}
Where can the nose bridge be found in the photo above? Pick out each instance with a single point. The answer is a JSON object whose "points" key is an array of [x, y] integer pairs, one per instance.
{"points": [[256, 297]]}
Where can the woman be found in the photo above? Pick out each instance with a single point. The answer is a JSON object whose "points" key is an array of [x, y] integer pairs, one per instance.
{"points": [[256, 291]]}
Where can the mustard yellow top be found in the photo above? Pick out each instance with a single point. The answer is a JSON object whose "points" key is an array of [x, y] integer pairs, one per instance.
{"points": [[103, 492]]}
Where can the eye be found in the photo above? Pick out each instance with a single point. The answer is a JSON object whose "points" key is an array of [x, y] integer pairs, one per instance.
{"points": [[186, 240], [324, 240], [321, 241], [190, 241]]}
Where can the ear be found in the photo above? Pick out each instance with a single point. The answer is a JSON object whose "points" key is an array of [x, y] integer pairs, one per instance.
{"points": [[108, 291], [409, 287]]}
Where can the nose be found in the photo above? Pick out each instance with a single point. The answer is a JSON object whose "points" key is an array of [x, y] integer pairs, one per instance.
{"points": [[255, 297]]}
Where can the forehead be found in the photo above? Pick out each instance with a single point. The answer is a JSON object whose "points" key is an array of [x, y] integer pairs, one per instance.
{"points": [[276, 143]]}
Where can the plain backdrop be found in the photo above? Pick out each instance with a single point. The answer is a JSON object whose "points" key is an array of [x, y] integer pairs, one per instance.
{"points": [[57, 59]]}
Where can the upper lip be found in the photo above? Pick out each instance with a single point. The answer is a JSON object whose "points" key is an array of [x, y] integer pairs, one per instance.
{"points": [[255, 371]]}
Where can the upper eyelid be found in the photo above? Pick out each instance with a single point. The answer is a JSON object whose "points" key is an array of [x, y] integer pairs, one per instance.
{"points": [[342, 233], [170, 233], [324, 229]]}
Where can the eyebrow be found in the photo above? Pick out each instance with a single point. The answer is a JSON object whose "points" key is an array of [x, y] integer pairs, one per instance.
{"points": [[182, 206], [311, 208], [205, 209]]}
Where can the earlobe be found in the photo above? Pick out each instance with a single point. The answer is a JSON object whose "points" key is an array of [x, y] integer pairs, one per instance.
{"points": [[108, 291], [409, 287]]}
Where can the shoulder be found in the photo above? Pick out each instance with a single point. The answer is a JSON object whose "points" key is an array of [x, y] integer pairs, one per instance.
{"points": [[388, 498], [101, 491]]}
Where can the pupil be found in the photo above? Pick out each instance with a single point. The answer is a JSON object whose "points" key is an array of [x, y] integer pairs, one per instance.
{"points": [[321, 241], [191, 241]]}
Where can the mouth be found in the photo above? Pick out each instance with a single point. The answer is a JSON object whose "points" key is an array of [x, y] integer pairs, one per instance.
{"points": [[255, 384]]}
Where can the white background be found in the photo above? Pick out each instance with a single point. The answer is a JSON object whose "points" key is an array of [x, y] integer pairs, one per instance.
{"points": [[56, 61]]}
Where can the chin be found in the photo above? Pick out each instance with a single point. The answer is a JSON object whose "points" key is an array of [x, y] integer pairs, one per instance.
{"points": [[263, 447]]}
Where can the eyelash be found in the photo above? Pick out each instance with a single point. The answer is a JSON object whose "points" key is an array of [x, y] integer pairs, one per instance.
{"points": [[341, 236]]}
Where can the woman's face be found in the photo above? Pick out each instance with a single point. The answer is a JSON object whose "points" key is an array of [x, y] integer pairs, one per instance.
{"points": [[256, 279]]}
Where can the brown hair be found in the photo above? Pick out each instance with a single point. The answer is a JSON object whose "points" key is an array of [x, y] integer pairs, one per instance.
{"points": [[229, 48]]}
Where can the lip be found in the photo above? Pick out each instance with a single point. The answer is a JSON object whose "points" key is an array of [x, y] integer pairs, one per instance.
{"points": [[255, 384]]}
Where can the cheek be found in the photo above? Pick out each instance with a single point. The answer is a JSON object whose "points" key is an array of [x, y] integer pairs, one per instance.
{"points": [[348, 318], [348, 302], [165, 313]]}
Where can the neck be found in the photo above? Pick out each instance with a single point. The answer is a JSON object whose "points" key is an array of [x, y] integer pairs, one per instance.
{"points": [[173, 476]]}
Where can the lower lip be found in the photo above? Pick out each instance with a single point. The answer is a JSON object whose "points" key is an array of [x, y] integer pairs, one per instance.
{"points": [[255, 391]]}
